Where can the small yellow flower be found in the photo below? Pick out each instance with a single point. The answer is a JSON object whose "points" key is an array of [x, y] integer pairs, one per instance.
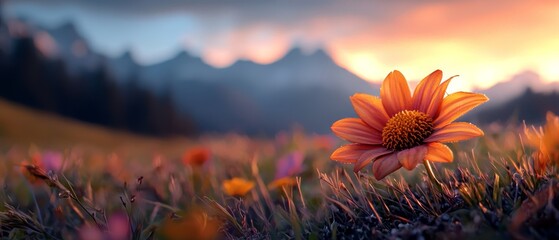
{"points": [[400, 129], [546, 141], [237, 187]]}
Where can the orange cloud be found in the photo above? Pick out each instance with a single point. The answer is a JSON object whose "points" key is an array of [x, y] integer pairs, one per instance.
{"points": [[483, 42]]}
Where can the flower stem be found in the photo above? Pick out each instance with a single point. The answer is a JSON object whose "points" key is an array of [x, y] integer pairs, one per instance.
{"points": [[431, 175]]}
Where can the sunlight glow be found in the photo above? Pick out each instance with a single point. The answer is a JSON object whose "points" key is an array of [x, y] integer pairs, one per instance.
{"points": [[491, 48], [362, 64]]}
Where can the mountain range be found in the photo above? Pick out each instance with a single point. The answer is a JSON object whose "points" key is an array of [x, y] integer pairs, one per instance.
{"points": [[503, 92], [306, 89]]}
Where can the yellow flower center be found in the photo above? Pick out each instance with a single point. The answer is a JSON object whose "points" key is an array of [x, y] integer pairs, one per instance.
{"points": [[406, 129]]}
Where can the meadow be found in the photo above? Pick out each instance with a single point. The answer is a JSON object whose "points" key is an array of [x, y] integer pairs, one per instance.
{"points": [[231, 186]]}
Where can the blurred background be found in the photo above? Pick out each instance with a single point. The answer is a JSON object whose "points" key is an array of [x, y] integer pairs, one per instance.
{"points": [[184, 68]]}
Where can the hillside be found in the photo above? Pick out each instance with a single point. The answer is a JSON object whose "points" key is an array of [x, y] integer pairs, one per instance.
{"points": [[24, 126]]}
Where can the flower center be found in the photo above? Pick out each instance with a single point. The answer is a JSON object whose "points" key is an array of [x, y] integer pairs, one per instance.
{"points": [[406, 129]]}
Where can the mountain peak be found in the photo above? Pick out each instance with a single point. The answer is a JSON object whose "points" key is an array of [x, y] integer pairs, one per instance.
{"points": [[320, 53], [67, 28], [527, 78], [294, 52], [127, 57], [297, 54], [516, 86], [67, 25], [185, 56]]}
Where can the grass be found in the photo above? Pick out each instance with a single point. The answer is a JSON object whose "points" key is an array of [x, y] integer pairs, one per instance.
{"points": [[21, 126], [130, 187]]}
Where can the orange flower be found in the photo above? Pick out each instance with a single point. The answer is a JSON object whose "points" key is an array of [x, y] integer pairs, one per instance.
{"points": [[27, 168], [196, 224], [237, 187], [325, 143], [400, 129], [546, 140], [196, 156], [282, 182]]}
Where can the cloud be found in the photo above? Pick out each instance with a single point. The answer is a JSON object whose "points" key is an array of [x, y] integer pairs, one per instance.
{"points": [[483, 41]]}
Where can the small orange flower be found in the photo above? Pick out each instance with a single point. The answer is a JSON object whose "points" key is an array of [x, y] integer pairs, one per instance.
{"points": [[325, 143], [284, 181], [237, 187], [400, 129], [35, 174], [46, 161], [546, 140], [287, 168], [33, 163], [196, 156], [196, 224]]}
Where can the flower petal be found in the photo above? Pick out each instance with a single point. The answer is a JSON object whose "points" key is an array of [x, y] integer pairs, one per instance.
{"points": [[425, 90], [438, 152], [286, 181], [369, 156], [435, 106], [409, 158], [454, 132], [237, 186], [385, 165], [455, 105], [370, 109], [350, 153], [355, 130], [395, 93]]}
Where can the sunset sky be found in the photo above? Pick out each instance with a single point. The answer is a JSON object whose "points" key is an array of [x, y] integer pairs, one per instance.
{"points": [[482, 41]]}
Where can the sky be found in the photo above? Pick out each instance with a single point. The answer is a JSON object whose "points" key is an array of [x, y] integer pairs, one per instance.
{"points": [[484, 42]]}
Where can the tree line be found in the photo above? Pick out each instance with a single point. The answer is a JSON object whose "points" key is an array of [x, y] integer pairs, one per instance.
{"points": [[29, 78]]}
